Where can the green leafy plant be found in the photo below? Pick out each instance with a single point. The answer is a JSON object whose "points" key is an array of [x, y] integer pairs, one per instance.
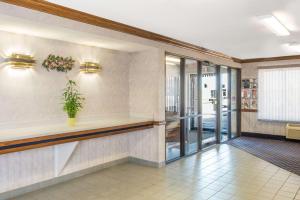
{"points": [[58, 63], [72, 99]]}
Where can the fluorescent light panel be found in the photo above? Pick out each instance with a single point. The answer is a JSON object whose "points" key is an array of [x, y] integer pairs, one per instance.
{"points": [[172, 59], [274, 25], [170, 63], [294, 47]]}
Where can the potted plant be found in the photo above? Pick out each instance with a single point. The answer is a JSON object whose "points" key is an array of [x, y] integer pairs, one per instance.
{"points": [[72, 101]]}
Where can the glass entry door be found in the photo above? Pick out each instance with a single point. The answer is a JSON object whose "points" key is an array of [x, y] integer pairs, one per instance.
{"points": [[173, 108], [201, 105], [209, 105], [233, 124], [191, 112], [225, 103]]}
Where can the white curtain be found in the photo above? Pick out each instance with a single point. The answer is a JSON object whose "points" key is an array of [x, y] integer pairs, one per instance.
{"points": [[279, 94]]}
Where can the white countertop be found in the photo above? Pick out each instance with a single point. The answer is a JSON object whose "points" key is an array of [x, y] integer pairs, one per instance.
{"points": [[53, 129]]}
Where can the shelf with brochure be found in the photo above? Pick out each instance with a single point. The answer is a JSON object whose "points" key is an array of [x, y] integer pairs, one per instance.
{"points": [[249, 95]]}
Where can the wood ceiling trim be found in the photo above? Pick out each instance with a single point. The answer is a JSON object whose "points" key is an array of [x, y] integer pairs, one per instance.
{"points": [[54, 9], [279, 58]]}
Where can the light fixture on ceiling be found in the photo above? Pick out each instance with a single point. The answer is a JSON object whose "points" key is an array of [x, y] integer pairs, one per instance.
{"points": [[90, 67], [294, 47], [19, 61], [274, 25], [172, 59], [170, 63]]}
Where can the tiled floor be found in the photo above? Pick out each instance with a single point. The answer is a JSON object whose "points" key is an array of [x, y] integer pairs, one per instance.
{"points": [[219, 173]]}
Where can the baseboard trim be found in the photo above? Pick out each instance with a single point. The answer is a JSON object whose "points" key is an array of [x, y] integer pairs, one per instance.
{"points": [[146, 162], [40, 185], [262, 135]]}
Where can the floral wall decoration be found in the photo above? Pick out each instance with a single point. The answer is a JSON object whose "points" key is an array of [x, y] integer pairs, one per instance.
{"points": [[58, 63]]}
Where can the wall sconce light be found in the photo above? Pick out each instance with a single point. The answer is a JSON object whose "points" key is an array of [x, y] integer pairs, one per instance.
{"points": [[19, 61], [90, 67]]}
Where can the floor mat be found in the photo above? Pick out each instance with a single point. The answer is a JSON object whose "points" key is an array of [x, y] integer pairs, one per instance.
{"points": [[284, 154]]}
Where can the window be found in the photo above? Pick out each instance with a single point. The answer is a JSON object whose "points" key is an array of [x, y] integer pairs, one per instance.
{"points": [[279, 94]]}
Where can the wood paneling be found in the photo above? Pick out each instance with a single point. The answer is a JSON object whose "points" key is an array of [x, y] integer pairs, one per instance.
{"points": [[43, 141], [54, 9]]}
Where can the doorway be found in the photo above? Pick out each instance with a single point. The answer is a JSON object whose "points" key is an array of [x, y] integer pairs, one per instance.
{"points": [[209, 104], [202, 106]]}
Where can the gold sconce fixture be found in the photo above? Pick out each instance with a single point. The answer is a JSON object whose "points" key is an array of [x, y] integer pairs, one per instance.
{"points": [[19, 61], [90, 67]]}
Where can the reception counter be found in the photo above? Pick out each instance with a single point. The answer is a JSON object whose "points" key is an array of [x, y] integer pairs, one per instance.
{"points": [[33, 158], [12, 140]]}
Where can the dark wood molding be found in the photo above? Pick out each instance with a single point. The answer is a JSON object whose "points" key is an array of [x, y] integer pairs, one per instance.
{"points": [[237, 60], [49, 140], [61, 11], [249, 110], [279, 58], [159, 123]]}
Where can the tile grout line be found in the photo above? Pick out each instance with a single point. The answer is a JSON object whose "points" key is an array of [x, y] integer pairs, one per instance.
{"points": [[281, 186]]}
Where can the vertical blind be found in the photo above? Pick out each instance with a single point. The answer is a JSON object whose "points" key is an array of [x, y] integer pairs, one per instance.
{"points": [[279, 94]]}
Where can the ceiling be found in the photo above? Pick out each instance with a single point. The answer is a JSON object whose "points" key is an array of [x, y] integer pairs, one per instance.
{"points": [[228, 26], [25, 26]]}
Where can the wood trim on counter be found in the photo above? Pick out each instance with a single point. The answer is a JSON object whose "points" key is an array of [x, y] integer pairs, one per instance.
{"points": [[49, 140], [159, 123], [61, 11]]}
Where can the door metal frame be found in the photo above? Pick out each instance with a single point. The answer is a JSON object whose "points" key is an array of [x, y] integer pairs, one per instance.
{"points": [[182, 107], [199, 78], [219, 104], [229, 135], [199, 115]]}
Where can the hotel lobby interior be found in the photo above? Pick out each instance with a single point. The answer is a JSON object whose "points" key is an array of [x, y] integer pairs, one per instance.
{"points": [[150, 100]]}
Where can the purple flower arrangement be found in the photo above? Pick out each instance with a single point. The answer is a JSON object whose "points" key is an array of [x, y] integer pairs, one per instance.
{"points": [[58, 63]]}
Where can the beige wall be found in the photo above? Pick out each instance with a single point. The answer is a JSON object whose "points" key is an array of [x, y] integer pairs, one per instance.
{"points": [[144, 70], [32, 97], [146, 82], [250, 123], [131, 83]]}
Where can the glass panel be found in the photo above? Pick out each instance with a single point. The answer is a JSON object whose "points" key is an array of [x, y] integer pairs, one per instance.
{"points": [[191, 131], [233, 103], [224, 103], [209, 104], [191, 87], [172, 109], [172, 139], [191, 106], [233, 124]]}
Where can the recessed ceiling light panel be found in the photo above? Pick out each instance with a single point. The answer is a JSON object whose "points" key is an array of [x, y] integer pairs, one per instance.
{"points": [[294, 47], [172, 59], [274, 25]]}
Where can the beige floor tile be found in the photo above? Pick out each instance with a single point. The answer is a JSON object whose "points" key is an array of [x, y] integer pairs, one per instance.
{"points": [[221, 173]]}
